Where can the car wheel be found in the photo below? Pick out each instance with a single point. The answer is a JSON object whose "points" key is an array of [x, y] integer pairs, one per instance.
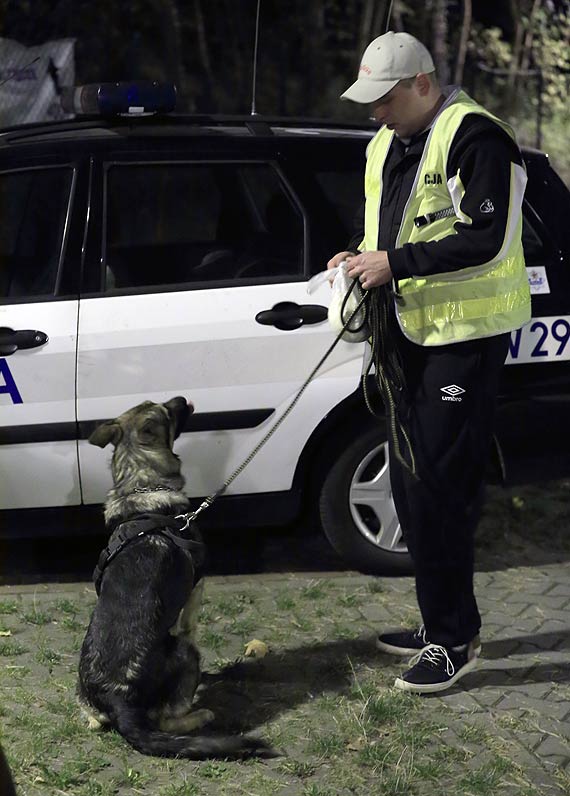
{"points": [[357, 511]]}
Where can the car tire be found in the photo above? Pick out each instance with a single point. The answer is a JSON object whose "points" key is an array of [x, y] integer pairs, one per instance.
{"points": [[356, 509]]}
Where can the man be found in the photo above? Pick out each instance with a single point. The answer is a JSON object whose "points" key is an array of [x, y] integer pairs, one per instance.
{"points": [[439, 250]]}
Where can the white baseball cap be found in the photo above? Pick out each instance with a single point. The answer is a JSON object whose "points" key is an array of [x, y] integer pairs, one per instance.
{"points": [[387, 60]]}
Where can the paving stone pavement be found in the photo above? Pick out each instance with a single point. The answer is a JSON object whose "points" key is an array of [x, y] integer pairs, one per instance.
{"points": [[518, 697]]}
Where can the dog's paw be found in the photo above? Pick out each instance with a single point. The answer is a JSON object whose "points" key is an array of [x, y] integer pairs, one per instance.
{"points": [[206, 716], [98, 722], [95, 719]]}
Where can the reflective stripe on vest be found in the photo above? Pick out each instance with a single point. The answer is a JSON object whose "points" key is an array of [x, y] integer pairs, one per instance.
{"points": [[479, 301]]}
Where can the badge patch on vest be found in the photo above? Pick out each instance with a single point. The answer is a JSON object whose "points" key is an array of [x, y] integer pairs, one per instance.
{"points": [[433, 179], [487, 206]]}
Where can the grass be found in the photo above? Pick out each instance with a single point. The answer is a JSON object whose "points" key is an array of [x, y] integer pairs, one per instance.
{"points": [[328, 745], [349, 600], [343, 631], [229, 607], [35, 617], [242, 627], [315, 590], [212, 769], [298, 768], [71, 623], [212, 640], [302, 622], [285, 602], [9, 649], [387, 707], [67, 607], [322, 695], [47, 656], [471, 734], [317, 790], [181, 789]]}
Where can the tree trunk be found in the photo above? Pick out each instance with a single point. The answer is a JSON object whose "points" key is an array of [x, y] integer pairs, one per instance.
{"points": [[439, 48], [364, 35], [527, 48], [203, 48], [239, 34], [316, 71], [516, 11], [463, 41], [171, 39]]}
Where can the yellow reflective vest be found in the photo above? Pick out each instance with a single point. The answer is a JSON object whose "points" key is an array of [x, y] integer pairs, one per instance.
{"points": [[474, 302]]}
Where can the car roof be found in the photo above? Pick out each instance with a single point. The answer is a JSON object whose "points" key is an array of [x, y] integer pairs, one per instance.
{"points": [[535, 156], [181, 125], [173, 125]]}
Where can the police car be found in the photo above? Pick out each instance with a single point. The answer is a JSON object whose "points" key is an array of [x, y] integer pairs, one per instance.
{"points": [[146, 255]]}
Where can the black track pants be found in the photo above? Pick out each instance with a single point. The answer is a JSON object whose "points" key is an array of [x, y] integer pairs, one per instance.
{"points": [[447, 409]]}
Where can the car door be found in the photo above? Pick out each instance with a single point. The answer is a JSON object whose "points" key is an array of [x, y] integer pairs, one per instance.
{"points": [[535, 394], [38, 335], [199, 289]]}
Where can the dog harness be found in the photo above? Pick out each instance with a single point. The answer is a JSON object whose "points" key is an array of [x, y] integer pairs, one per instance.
{"points": [[143, 525]]}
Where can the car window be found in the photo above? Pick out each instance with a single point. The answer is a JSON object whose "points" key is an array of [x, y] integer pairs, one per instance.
{"points": [[539, 247], [344, 191], [178, 223], [550, 200], [336, 191], [34, 206]]}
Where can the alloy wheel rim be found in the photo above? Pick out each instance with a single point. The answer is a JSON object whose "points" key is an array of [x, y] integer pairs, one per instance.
{"points": [[371, 503]]}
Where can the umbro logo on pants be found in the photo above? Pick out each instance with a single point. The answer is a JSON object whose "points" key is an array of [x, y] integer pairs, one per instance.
{"points": [[452, 392]]}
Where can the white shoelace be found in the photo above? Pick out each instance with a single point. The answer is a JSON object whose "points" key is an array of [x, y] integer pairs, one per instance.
{"points": [[421, 634], [432, 655]]}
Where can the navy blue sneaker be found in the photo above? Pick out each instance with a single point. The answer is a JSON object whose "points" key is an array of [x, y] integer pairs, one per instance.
{"points": [[403, 642], [437, 668], [408, 642]]}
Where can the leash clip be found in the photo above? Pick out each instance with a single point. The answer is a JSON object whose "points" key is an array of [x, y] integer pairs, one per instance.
{"points": [[191, 516]]}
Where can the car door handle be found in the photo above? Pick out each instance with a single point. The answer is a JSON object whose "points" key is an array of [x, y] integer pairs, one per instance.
{"points": [[288, 315], [11, 340]]}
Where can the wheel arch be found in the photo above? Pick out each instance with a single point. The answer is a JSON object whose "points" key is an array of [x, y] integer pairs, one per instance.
{"points": [[339, 425], [328, 439]]}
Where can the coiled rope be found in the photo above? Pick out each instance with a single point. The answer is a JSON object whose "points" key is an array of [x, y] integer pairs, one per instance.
{"points": [[388, 373]]}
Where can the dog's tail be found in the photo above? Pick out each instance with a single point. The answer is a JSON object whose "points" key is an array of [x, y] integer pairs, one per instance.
{"points": [[133, 725]]}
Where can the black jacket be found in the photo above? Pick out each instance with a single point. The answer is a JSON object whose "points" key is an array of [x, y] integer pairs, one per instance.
{"points": [[482, 153]]}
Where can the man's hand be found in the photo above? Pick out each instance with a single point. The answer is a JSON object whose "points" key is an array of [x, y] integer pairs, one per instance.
{"points": [[372, 269], [337, 259]]}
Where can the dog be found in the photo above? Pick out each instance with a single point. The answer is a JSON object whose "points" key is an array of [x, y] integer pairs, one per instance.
{"points": [[139, 666], [7, 787]]}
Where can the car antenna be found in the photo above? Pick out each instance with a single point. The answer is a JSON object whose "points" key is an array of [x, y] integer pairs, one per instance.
{"points": [[253, 111], [255, 48], [388, 15]]}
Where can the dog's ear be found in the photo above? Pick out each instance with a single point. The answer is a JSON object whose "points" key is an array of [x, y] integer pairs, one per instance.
{"points": [[106, 433]]}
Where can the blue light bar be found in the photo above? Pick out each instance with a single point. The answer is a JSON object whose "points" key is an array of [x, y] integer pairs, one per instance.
{"points": [[134, 98]]}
